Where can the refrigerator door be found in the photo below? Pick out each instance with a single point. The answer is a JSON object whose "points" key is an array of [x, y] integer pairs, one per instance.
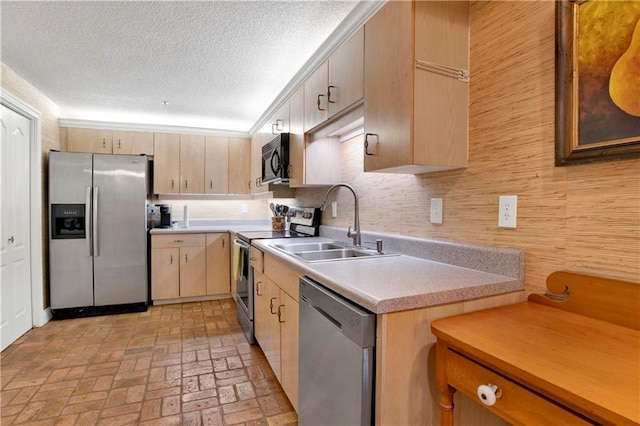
{"points": [[71, 264], [120, 237]]}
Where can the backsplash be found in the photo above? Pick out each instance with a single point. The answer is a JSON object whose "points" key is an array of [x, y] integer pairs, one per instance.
{"points": [[581, 218]]}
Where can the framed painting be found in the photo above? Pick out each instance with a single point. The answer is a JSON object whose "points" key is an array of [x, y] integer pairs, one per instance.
{"points": [[597, 81]]}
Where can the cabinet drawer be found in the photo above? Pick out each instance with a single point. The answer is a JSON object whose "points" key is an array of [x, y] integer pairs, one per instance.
{"points": [[283, 275], [178, 240], [256, 259], [516, 403]]}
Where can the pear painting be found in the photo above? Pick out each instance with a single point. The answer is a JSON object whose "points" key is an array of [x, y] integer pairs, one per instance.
{"points": [[624, 83]]}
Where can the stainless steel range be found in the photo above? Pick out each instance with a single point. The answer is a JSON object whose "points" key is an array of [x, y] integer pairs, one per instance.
{"points": [[304, 222]]}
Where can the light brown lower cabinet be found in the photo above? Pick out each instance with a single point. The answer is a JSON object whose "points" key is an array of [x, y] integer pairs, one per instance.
{"points": [[276, 321], [189, 265]]}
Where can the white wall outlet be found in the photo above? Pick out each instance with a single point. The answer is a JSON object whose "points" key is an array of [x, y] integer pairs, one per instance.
{"points": [[245, 208], [436, 210], [334, 209], [507, 211]]}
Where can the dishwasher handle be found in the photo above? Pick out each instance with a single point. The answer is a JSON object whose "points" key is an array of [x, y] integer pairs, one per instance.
{"points": [[356, 323]]}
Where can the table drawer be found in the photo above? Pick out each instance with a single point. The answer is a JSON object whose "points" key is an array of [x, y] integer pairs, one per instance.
{"points": [[516, 403], [178, 240]]}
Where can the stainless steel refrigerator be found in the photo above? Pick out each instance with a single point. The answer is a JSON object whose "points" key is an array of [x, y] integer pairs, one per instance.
{"points": [[97, 235]]}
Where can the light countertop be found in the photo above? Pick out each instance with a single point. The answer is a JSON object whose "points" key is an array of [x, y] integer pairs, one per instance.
{"points": [[397, 283], [218, 225]]}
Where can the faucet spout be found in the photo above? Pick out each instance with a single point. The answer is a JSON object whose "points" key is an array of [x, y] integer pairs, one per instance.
{"points": [[355, 233]]}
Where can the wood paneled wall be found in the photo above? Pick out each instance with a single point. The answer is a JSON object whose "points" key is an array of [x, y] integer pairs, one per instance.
{"points": [[582, 218], [15, 84]]}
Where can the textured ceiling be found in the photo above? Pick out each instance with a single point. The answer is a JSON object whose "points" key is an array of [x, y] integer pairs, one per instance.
{"points": [[218, 64]]}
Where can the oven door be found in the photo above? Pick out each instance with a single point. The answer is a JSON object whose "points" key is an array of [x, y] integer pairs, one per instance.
{"points": [[244, 288]]}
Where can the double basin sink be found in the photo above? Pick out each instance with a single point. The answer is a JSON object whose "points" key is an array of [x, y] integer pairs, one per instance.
{"points": [[326, 251]]}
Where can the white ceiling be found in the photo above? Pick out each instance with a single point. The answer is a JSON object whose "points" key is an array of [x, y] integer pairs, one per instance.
{"points": [[218, 64]]}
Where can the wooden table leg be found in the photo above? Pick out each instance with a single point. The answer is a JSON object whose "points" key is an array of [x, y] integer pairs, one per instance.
{"points": [[446, 391]]}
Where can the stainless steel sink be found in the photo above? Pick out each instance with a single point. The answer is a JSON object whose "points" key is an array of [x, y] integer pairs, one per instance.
{"points": [[311, 256], [327, 251], [300, 247]]}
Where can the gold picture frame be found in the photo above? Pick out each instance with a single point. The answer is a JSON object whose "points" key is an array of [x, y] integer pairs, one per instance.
{"points": [[597, 116]]}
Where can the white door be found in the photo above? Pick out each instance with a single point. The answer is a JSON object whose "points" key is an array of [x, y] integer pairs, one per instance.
{"points": [[15, 267]]}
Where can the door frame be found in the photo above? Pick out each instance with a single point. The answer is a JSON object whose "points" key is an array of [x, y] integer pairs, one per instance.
{"points": [[40, 315]]}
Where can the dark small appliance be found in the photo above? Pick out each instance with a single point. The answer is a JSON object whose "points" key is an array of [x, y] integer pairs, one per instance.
{"points": [[165, 215]]}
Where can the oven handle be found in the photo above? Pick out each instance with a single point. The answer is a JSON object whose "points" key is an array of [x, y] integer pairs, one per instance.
{"points": [[241, 243]]}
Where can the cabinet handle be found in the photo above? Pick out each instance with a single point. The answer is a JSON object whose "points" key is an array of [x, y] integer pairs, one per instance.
{"points": [[186, 184], [271, 305], [104, 142], [172, 183], [274, 129], [329, 94], [258, 291], [11, 240], [211, 184], [320, 109], [280, 313], [119, 144], [253, 259], [223, 243], [258, 182], [171, 260], [178, 241], [279, 124], [249, 184], [366, 143]]}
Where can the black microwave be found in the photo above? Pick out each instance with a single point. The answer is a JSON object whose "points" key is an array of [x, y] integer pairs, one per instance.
{"points": [[275, 160]]}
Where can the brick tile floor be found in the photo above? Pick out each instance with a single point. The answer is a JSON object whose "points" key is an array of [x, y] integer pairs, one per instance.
{"points": [[182, 364]]}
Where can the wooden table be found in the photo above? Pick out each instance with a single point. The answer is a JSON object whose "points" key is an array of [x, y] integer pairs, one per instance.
{"points": [[564, 358]]}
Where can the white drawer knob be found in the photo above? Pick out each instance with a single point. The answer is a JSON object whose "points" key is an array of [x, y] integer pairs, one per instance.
{"points": [[488, 394]]}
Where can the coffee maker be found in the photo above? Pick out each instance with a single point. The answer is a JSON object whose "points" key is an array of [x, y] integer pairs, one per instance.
{"points": [[165, 215]]}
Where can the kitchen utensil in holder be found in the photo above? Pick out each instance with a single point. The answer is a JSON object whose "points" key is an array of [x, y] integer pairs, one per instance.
{"points": [[277, 223]]}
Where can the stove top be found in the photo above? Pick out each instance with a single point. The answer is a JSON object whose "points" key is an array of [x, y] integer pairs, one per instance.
{"points": [[305, 222]]}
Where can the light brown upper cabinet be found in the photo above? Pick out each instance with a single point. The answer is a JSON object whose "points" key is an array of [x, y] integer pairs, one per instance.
{"points": [[239, 165], [216, 166], [133, 143], [89, 140], [191, 164], [104, 141], [416, 87], [335, 85], [316, 163], [166, 163]]}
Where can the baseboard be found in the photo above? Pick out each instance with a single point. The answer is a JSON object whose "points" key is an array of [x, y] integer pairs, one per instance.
{"points": [[44, 317]]}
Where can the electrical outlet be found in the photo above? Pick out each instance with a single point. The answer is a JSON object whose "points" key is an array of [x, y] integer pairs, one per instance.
{"points": [[507, 211], [245, 208], [436, 210], [334, 209]]}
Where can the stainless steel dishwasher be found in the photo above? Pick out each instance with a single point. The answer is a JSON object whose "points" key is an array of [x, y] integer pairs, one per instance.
{"points": [[337, 347]]}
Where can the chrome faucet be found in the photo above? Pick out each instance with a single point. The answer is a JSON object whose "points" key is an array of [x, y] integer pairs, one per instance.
{"points": [[355, 234]]}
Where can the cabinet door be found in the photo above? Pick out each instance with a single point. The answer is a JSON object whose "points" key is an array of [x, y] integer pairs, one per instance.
{"points": [[216, 165], [166, 163], [256, 165], [193, 271], [165, 273], [132, 143], [89, 140], [271, 344], [218, 265], [296, 138], [191, 164], [289, 320], [239, 165], [260, 308], [315, 97], [280, 120], [346, 74], [388, 86]]}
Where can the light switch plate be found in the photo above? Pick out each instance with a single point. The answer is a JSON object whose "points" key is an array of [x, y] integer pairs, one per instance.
{"points": [[245, 208], [507, 211], [436, 210]]}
